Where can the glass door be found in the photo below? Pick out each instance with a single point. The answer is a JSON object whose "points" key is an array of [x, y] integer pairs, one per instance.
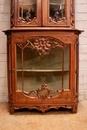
{"points": [[57, 10], [42, 62], [28, 12], [57, 13]]}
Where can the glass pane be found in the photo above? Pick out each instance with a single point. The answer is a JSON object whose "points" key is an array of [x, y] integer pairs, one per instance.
{"points": [[52, 61], [57, 10], [27, 10], [42, 70]]}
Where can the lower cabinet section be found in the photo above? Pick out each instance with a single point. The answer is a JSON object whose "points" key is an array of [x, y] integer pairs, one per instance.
{"points": [[43, 103], [43, 68]]}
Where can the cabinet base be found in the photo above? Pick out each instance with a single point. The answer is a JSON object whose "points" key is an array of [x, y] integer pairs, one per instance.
{"points": [[44, 108]]}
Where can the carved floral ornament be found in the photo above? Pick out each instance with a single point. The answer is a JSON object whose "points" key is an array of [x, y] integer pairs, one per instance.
{"points": [[42, 45], [42, 93], [46, 93]]}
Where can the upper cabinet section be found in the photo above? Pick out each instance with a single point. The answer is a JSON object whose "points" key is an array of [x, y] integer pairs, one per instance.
{"points": [[26, 13]]}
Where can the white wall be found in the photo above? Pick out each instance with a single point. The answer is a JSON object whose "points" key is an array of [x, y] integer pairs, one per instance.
{"points": [[81, 23], [4, 24]]}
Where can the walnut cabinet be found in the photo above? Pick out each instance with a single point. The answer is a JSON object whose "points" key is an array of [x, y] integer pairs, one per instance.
{"points": [[42, 55]]}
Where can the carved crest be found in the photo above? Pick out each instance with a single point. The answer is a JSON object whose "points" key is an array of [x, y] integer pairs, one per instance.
{"points": [[42, 45], [43, 93]]}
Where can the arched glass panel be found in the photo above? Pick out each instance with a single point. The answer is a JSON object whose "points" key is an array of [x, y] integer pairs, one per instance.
{"points": [[27, 10], [57, 10]]}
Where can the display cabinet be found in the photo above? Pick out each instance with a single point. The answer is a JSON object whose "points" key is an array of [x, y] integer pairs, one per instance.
{"points": [[43, 55], [42, 13]]}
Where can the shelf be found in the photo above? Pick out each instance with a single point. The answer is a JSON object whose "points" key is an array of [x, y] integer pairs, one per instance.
{"points": [[42, 70], [56, 4], [27, 4]]}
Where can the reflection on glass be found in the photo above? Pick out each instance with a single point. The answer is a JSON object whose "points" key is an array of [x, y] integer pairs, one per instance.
{"points": [[57, 10], [34, 70], [42, 70], [33, 61], [27, 10]]}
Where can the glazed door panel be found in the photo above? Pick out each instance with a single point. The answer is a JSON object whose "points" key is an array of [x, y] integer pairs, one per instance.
{"points": [[58, 13], [42, 61], [27, 12]]}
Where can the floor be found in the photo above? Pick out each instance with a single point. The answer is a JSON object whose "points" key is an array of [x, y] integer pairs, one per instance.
{"points": [[51, 120]]}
